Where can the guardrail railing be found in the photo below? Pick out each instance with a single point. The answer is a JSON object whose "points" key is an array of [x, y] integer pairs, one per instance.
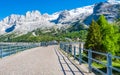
{"points": [[7, 49], [81, 54]]}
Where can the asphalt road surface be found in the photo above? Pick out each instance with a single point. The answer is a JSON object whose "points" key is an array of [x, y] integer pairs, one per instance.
{"points": [[38, 61]]}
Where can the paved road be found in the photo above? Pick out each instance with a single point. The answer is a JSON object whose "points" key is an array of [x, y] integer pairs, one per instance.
{"points": [[38, 61]]}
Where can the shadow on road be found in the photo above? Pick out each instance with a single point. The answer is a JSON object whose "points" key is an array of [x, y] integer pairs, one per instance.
{"points": [[61, 59]]}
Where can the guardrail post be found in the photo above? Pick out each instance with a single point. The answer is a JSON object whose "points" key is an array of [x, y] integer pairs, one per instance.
{"points": [[17, 48], [66, 48], [71, 49], [60, 46], [80, 56], [109, 64], [1, 53], [90, 60], [9, 48], [74, 52]]}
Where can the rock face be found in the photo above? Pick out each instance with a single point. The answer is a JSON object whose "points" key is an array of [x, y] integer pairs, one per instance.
{"points": [[32, 20], [25, 23], [109, 10], [79, 14]]}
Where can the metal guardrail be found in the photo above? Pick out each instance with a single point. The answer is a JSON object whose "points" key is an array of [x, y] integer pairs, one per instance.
{"points": [[7, 49], [67, 47]]}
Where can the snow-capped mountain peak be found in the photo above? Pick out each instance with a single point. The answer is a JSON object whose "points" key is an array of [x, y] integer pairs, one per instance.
{"points": [[70, 16], [113, 1], [33, 14], [34, 19]]}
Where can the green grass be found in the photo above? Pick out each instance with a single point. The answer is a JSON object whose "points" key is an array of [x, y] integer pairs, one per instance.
{"points": [[101, 67], [115, 63]]}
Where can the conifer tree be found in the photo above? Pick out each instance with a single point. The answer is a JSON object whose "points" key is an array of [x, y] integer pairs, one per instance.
{"points": [[94, 37]]}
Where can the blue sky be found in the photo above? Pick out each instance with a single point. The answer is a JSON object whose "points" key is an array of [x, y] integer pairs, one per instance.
{"points": [[8, 7]]}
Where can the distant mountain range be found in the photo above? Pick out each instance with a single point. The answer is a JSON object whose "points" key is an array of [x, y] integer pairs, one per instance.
{"points": [[32, 20]]}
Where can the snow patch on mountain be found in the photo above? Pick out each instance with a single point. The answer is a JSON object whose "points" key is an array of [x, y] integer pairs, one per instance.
{"points": [[34, 19], [22, 24], [70, 16], [109, 10]]}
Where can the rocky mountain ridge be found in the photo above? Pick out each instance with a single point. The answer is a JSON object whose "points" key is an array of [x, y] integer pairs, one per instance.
{"points": [[32, 20]]}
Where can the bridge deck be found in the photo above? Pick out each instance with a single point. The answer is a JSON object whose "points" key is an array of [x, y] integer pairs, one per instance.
{"points": [[38, 61]]}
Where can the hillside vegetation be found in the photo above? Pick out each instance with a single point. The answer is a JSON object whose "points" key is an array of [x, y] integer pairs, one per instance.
{"points": [[103, 36], [72, 33]]}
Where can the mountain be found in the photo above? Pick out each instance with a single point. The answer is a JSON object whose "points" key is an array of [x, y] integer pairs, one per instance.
{"points": [[21, 24], [75, 18], [79, 14], [110, 10], [25, 23]]}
